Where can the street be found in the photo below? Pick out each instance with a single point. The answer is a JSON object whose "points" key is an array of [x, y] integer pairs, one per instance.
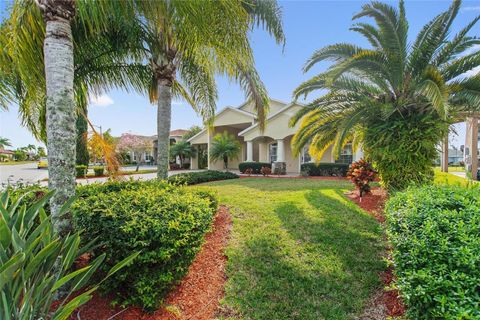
{"points": [[25, 173]]}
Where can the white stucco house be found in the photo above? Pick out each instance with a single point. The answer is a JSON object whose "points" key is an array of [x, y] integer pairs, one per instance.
{"points": [[272, 145]]}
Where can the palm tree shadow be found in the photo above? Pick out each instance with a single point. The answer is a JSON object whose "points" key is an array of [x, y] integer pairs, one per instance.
{"points": [[323, 264]]}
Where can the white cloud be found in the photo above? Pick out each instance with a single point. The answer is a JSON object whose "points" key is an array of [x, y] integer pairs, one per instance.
{"points": [[470, 50], [176, 103], [101, 101], [475, 8], [472, 72]]}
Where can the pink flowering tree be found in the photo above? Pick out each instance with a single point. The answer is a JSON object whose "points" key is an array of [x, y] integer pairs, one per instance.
{"points": [[134, 144]]}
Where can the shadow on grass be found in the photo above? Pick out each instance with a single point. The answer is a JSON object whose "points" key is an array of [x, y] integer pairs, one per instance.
{"points": [[318, 260]]}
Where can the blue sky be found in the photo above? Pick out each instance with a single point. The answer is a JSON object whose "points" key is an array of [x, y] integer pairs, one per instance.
{"points": [[308, 25]]}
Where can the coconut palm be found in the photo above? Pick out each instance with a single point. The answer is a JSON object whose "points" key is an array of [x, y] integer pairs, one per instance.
{"points": [[224, 147], [4, 142], [182, 149], [395, 98], [188, 42], [82, 45]]}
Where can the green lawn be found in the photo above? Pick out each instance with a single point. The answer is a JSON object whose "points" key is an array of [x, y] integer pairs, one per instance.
{"points": [[299, 250], [13, 163], [448, 178]]}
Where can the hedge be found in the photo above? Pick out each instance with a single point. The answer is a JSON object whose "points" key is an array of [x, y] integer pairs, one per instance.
{"points": [[325, 169], [98, 171], [81, 171], [435, 233], [165, 223], [190, 178], [255, 166]]}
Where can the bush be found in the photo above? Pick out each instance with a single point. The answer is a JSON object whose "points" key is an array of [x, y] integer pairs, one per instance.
{"points": [[186, 166], [255, 166], [165, 223], [325, 169], [434, 231], [30, 254], [361, 173], [98, 171], [266, 171], [190, 178], [81, 171], [174, 166]]}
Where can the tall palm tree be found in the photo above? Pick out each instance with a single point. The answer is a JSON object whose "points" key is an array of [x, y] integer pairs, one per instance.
{"points": [[394, 98], [187, 43], [224, 147], [4, 142], [78, 42]]}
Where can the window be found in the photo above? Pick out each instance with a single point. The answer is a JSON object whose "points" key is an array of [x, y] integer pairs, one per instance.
{"points": [[346, 156], [305, 155], [272, 151]]}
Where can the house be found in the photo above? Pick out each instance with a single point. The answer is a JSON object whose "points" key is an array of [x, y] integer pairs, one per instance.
{"points": [[272, 145], [6, 155], [143, 149]]}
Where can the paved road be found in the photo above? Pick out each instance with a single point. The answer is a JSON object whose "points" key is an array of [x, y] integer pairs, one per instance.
{"points": [[28, 173]]}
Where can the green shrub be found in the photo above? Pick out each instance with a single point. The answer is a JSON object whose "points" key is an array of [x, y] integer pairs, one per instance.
{"points": [[98, 171], [81, 171], [255, 166], [435, 233], [190, 178], [325, 169], [165, 223], [35, 263]]}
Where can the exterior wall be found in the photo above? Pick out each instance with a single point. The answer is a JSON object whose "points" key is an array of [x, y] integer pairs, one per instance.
{"points": [[293, 163]]}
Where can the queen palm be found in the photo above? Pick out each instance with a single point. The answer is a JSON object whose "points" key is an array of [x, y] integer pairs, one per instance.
{"points": [[225, 147], [182, 149], [395, 98], [188, 42], [79, 44], [4, 142]]}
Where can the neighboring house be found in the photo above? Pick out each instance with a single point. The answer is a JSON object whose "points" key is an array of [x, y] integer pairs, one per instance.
{"points": [[272, 145], [6, 155], [149, 154]]}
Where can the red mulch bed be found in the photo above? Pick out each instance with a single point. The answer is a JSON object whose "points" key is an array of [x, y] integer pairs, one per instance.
{"points": [[373, 203], [195, 298]]}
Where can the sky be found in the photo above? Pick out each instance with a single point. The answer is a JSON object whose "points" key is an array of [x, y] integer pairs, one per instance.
{"points": [[308, 26]]}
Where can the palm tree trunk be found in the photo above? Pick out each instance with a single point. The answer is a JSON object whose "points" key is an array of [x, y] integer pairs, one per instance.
{"points": [[61, 115], [164, 115]]}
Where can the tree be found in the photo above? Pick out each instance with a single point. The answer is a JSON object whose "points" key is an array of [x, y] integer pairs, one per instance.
{"points": [[4, 142], [82, 45], [134, 144], [41, 152], [191, 132], [224, 147], [187, 43], [81, 149], [395, 99], [181, 149]]}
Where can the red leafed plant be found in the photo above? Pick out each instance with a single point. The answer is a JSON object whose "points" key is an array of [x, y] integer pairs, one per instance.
{"points": [[361, 173]]}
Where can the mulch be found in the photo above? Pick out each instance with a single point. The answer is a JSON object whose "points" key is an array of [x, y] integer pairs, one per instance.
{"points": [[387, 301], [195, 298]]}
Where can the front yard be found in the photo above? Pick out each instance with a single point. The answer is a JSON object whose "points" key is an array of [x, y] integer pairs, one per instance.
{"points": [[299, 250]]}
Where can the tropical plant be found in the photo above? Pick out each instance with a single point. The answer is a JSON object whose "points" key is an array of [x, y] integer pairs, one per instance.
{"points": [[4, 142], [187, 43], [83, 46], [182, 149], [224, 147], [361, 173], [134, 144], [36, 263], [395, 99]]}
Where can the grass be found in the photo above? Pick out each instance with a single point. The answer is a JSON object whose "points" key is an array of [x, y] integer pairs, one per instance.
{"points": [[448, 178], [453, 169], [12, 163], [299, 250]]}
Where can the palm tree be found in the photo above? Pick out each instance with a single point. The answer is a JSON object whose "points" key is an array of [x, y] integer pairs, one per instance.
{"points": [[224, 147], [396, 99], [181, 149], [83, 47], [4, 142], [187, 43]]}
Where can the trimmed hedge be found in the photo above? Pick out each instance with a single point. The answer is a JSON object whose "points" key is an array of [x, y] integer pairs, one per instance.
{"points": [[81, 171], [255, 166], [165, 223], [190, 178], [98, 171], [325, 169], [435, 233]]}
